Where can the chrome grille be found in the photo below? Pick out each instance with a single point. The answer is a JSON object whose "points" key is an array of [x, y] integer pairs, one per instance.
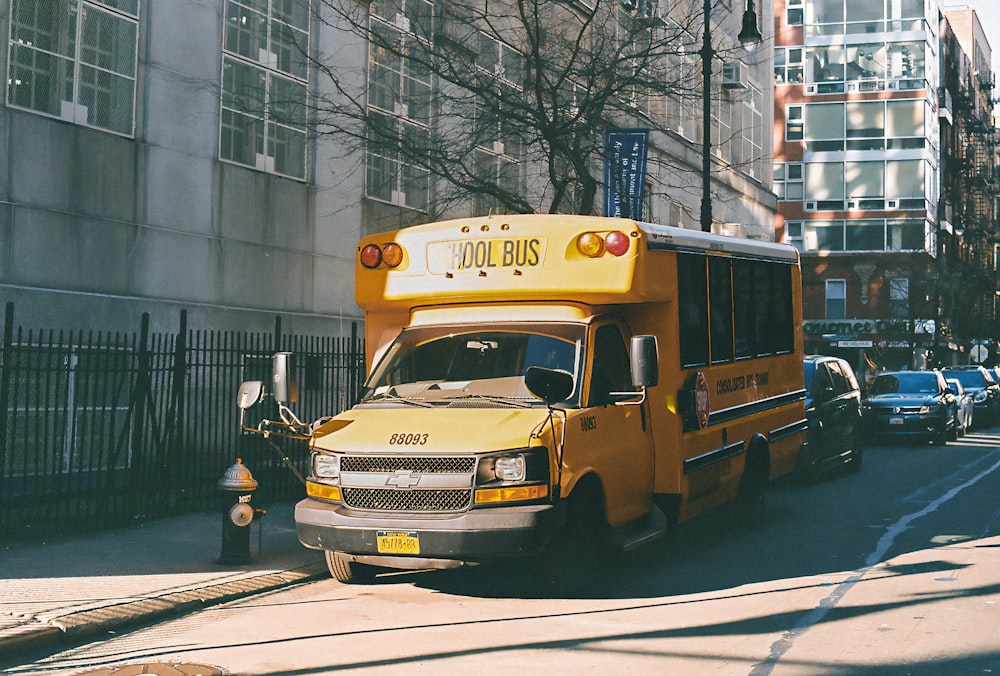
{"points": [[363, 478], [392, 463], [394, 500]]}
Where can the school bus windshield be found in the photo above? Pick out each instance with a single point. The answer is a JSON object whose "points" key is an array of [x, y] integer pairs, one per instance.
{"points": [[448, 365]]}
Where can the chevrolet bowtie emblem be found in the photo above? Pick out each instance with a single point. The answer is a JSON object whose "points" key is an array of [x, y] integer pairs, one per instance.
{"points": [[403, 478]]}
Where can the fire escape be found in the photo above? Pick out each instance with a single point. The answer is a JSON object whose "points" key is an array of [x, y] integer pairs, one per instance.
{"points": [[967, 261]]}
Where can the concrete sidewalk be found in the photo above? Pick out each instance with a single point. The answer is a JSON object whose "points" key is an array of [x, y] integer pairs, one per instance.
{"points": [[76, 588]]}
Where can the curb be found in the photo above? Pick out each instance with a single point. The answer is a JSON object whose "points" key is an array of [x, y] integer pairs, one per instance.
{"points": [[77, 626]]}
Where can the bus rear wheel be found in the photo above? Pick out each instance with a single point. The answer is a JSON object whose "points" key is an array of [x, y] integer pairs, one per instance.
{"points": [[752, 499]]}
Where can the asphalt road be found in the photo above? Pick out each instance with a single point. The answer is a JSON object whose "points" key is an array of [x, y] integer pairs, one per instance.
{"points": [[894, 570]]}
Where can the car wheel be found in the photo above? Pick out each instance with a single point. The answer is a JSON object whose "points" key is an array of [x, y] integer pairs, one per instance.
{"points": [[854, 466], [953, 434], [940, 436]]}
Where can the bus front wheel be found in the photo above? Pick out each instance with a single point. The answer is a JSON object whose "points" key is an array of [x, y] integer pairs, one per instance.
{"points": [[346, 571]]}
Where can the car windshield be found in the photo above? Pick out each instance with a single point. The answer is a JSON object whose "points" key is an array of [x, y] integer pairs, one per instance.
{"points": [[969, 377], [447, 364], [913, 383]]}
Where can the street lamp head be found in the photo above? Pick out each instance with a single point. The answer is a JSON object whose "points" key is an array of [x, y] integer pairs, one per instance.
{"points": [[750, 34]]}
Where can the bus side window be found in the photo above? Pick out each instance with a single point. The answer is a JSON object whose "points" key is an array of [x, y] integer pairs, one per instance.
{"points": [[611, 371]]}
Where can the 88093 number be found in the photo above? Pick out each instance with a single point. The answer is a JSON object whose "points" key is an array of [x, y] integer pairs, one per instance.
{"points": [[407, 439]]}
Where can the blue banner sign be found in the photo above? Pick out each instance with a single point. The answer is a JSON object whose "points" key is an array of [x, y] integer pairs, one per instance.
{"points": [[625, 172]]}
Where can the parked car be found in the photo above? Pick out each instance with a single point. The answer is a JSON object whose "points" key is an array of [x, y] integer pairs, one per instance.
{"points": [[911, 404], [833, 409], [966, 405], [984, 388]]}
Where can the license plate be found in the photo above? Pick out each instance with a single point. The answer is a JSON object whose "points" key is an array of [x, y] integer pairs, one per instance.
{"points": [[397, 542], [895, 421]]}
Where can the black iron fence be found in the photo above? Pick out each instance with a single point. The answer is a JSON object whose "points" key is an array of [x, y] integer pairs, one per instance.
{"points": [[102, 429]]}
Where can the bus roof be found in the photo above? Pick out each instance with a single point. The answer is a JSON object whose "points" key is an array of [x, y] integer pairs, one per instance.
{"points": [[531, 257]]}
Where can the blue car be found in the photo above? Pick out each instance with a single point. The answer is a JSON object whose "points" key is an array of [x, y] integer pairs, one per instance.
{"points": [[912, 405]]}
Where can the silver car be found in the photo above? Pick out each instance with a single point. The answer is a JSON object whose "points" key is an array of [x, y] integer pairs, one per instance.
{"points": [[966, 405]]}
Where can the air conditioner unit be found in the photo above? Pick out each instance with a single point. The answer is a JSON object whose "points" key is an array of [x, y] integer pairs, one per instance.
{"points": [[648, 12], [735, 75]]}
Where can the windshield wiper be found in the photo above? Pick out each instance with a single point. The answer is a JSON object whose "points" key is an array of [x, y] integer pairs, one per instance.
{"points": [[516, 402], [392, 396]]}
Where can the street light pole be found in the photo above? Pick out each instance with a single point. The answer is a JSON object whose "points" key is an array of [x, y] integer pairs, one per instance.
{"points": [[707, 53], [749, 36]]}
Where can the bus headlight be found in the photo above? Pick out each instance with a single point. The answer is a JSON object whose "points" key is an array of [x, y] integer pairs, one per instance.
{"points": [[513, 476], [326, 466], [510, 468]]}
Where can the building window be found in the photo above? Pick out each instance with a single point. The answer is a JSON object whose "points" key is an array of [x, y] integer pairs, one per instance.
{"points": [[899, 298], [793, 234], [867, 234], [868, 67], [877, 185], [836, 299], [751, 126], [75, 60], [399, 100], [840, 17], [788, 65], [788, 185], [793, 12], [265, 85], [497, 158]]}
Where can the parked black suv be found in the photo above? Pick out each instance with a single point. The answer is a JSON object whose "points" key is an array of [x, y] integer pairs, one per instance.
{"points": [[833, 408], [911, 404], [985, 391]]}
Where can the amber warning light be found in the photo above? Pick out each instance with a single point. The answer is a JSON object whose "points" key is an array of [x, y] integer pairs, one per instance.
{"points": [[595, 245], [372, 255]]}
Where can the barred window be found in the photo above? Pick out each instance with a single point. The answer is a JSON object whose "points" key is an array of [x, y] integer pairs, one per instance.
{"points": [[265, 80], [500, 148], [75, 60], [399, 101]]}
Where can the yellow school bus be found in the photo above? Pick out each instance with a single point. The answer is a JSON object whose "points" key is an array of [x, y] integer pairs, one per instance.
{"points": [[531, 374]]}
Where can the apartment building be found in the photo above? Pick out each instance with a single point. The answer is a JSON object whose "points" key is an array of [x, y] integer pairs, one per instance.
{"points": [[859, 176]]}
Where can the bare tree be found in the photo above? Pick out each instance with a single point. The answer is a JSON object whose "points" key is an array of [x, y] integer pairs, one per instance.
{"points": [[505, 102]]}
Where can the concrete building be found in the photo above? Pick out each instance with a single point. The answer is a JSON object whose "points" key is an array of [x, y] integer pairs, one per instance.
{"points": [[143, 172]]}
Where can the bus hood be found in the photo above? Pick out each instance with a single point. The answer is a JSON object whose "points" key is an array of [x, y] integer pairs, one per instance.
{"points": [[422, 430]]}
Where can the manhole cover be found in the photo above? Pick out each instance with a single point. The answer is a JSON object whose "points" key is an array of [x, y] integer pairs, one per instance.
{"points": [[159, 668]]}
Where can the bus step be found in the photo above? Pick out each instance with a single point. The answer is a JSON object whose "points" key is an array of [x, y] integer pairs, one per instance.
{"points": [[644, 530]]}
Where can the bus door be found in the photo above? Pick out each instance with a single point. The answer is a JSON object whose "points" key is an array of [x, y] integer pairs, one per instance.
{"points": [[614, 439]]}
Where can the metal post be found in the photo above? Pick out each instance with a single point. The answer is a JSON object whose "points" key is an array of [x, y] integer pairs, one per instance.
{"points": [[707, 53]]}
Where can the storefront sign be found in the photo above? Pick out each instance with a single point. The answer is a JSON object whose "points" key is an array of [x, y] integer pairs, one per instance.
{"points": [[855, 327]]}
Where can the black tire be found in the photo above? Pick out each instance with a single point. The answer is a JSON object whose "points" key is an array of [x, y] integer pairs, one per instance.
{"points": [[752, 499], [854, 466], [940, 436], [343, 570]]}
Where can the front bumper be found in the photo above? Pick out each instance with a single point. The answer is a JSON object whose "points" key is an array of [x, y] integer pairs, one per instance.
{"points": [[468, 537], [884, 423]]}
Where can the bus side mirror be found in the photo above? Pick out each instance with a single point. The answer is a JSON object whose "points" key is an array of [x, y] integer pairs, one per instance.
{"points": [[644, 362], [251, 392], [549, 385], [283, 378]]}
